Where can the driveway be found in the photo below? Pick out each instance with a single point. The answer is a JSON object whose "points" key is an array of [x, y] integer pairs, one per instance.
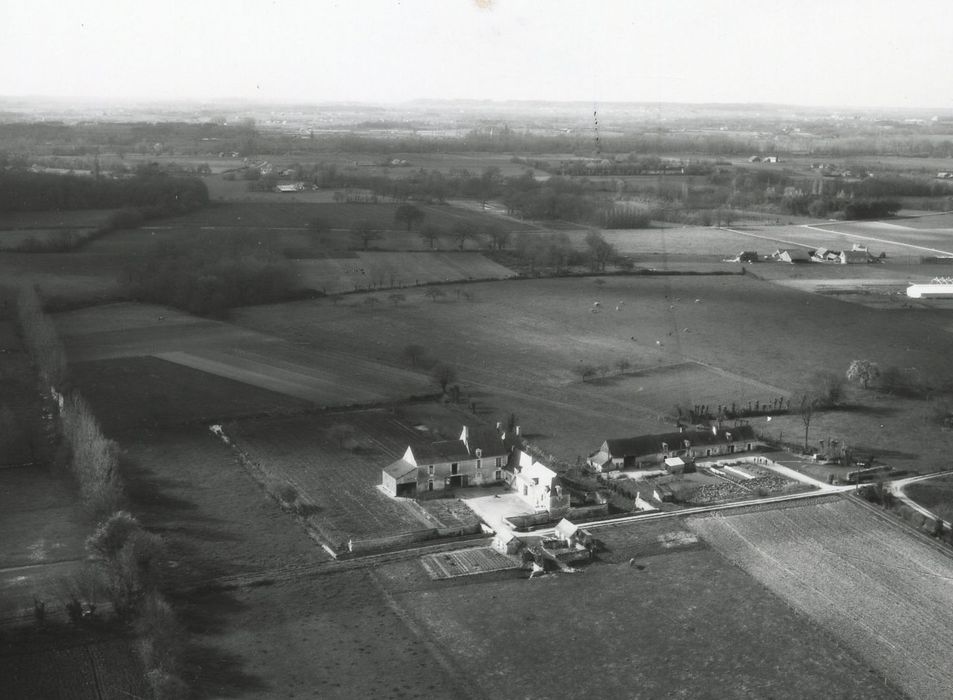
{"points": [[498, 504]]}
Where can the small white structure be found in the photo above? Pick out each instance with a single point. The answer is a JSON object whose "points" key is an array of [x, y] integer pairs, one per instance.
{"points": [[537, 484], [506, 542]]}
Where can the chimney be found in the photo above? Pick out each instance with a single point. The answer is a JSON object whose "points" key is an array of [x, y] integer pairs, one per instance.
{"points": [[517, 430], [499, 425]]}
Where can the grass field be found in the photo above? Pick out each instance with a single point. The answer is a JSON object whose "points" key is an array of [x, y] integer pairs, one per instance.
{"points": [[337, 479], [860, 577], [680, 622], [370, 269], [517, 345], [935, 495], [233, 353]]}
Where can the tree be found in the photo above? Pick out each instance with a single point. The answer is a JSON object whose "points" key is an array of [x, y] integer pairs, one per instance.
{"points": [[430, 234], [863, 371], [463, 232], [363, 232], [434, 293], [623, 365], [585, 371], [600, 251], [444, 375], [497, 235], [414, 353], [409, 215], [805, 405], [397, 298], [829, 387], [343, 435], [371, 302]]}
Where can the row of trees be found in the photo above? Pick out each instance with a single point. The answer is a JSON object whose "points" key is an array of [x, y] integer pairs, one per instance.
{"points": [[208, 275], [40, 338], [151, 191]]}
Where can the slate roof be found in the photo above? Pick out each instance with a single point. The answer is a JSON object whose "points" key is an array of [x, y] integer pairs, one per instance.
{"points": [[443, 451], [488, 440], [400, 469], [652, 444]]}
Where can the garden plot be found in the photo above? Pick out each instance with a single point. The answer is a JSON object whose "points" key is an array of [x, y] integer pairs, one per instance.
{"points": [[467, 562], [873, 585]]}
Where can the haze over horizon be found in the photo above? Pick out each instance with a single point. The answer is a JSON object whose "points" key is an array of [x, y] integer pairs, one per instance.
{"points": [[849, 54]]}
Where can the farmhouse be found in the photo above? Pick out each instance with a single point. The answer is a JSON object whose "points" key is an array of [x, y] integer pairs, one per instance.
{"points": [[653, 450], [536, 484], [477, 457]]}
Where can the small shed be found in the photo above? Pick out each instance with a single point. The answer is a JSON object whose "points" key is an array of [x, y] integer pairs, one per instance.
{"points": [[675, 465], [748, 256], [566, 531], [506, 542], [793, 255]]}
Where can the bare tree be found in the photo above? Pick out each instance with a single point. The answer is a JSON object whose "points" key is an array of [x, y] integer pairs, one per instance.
{"points": [[444, 375], [806, 404], [409, 215], [363, 232], [623, 365], [430, 234], [434, 293], [397, 298], [585, 371], [414, 353]]}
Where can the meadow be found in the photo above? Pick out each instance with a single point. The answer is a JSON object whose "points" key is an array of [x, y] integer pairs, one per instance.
{"points": [[516, 347], [865, 580]]}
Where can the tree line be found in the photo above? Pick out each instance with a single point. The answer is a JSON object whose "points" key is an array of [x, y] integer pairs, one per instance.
{"points": [[207, 275], [150, 191]]}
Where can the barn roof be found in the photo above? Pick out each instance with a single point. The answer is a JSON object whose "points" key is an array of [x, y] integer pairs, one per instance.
{"points": [[487, 440], [400, 469]]}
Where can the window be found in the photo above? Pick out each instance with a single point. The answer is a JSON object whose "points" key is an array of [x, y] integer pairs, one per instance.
{"points": [[430, 470], [748, 447], [708, 452], [479, 463], [499, 461], [525, 490], [454, 467], [498, 475], [430, 484]]}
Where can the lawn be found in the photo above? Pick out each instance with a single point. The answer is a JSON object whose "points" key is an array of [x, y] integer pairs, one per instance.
{"points": [[866, 581], [678, 621]]}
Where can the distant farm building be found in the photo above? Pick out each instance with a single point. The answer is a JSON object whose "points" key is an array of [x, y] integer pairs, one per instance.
{"points": [[792, 255], [477, 457], [939, 288], [290, 187], [653, 450]]}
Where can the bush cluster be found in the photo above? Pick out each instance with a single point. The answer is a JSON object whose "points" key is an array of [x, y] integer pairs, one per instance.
{"points": [[131, 558]]}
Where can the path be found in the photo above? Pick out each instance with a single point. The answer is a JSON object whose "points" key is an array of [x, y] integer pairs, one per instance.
{"points": [[897, 487]]}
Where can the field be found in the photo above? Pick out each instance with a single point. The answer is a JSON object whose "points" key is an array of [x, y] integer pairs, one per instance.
{"points": [[337, 478], [517, 345], [45, 226], [872, 585], [87, 666], [935, 495], [230, 352], [369, 269], [679, 621]]}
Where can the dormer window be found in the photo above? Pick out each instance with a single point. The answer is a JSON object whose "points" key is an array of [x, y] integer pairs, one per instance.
{"points": [[664, 447], [430, 470], [479, 453]]}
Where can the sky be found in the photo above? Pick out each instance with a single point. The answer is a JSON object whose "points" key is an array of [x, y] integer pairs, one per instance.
{"points": [[852, 53]]}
